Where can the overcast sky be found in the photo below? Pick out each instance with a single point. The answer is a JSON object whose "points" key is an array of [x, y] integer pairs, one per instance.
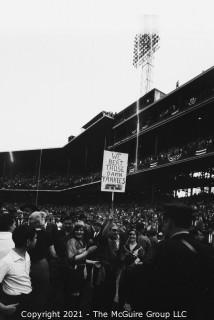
{"points": [[62, 62]]}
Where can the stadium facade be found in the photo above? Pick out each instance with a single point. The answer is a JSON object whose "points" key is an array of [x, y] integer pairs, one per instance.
{"points": [[169, 139]]}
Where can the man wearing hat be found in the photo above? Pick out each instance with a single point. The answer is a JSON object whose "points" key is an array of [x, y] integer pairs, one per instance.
{"points": [[180, 274]]}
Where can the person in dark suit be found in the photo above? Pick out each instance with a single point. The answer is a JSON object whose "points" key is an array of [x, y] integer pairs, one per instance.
{"points": [[180, 274]]}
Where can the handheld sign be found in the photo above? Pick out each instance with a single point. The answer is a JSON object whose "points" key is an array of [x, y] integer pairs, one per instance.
{"points": [[114, 171]]}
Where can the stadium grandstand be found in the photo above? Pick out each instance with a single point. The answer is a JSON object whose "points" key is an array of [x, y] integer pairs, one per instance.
{"points": [[174, 143]]}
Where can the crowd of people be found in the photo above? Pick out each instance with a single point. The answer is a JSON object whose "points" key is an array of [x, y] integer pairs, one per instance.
{"points": [[53, 181], [91, 258], [193, 148], [125, 214]]}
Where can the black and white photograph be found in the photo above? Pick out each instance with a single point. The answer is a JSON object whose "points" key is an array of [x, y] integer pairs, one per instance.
{"points": [[106, 159]]}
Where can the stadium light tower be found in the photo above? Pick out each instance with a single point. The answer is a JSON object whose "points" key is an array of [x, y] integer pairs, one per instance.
{"points": [[145, 45]]}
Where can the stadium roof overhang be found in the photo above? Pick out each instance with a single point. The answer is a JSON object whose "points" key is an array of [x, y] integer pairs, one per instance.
{"points": [[98, 117]]}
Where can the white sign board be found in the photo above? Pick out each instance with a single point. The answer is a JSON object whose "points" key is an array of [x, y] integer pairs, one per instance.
{"points": [[114, 171]]}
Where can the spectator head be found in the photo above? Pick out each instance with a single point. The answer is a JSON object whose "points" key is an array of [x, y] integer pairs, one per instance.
{"points": [[67, 224], [37, 219], [114, 231], [28, 208], [44, 217], [82, 217], [152, 233], [160, 236], [97, 226], [198, 234], [7, 222], [132, 235], [176, 216], [200, 225], [24, 237], [79, 230], [140, 227]]}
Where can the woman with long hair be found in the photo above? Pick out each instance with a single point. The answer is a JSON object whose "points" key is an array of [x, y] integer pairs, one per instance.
{"points": [[132, 251]]}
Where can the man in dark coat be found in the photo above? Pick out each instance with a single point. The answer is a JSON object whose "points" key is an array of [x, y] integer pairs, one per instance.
{"points": [[180, 274]]}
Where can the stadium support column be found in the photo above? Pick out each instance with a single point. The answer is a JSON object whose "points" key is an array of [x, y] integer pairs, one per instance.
{"points": [[68, 167], [153, 193], [156, 146], [112, 202], [86, 159], [38, 180], [137, 136], [210, 179], [4, 168]]}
